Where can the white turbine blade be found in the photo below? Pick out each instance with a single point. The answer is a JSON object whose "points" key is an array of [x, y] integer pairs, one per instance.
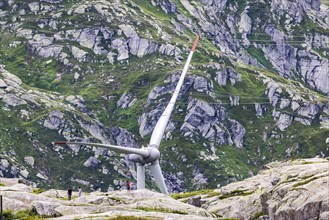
{"points": [[157, 174], [121, 149], [163, 120], [140, 176]]}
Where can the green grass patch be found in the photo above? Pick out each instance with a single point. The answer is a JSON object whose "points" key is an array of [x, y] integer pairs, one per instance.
{"points": [[260, 56], [305, 182], [236, 193], [153, 11], [160, 209], [257, 215], [189, 194], [38, 190], [27, 214]]}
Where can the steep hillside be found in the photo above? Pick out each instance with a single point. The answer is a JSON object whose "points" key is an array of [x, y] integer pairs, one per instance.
{"points": [[103, 71]]}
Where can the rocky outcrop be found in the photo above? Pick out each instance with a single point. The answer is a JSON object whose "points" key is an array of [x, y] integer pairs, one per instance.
{"points": [[282, 120], [245, 25], [167, 6], [226, 75], [53, 204], [91, 162], [123, 137], [54, 121], [314, 71], [13, 100], [212, 122], [303, 110], [283, 190], [126, 100], [99, 40]]}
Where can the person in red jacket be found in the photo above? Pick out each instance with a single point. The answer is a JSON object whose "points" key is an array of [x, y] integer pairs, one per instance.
{"points": [[128, 185]]}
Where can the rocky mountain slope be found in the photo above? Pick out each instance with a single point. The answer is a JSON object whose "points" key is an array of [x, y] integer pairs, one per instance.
{"points": [[282, 190], [103, 71]]}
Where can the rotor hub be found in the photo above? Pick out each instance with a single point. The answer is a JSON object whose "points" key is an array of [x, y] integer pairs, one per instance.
{"points": [[153, 155]]}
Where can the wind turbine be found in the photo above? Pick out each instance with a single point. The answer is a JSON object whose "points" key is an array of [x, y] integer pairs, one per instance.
{"points": [[150, 154]]}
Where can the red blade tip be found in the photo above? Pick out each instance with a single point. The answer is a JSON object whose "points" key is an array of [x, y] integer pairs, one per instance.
{"points": [[59, 142], [195, 42]]}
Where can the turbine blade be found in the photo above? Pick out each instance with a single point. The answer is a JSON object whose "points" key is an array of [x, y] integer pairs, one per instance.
{"points": [[121, 149], [163, 120], [157, 174], [140, 176]]}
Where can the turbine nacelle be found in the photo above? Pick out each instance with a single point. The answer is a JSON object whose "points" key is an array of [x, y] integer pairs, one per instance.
{"points": [[153, 155]]}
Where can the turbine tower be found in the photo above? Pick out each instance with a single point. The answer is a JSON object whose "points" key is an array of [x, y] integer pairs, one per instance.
{"points": [[150, 154]]}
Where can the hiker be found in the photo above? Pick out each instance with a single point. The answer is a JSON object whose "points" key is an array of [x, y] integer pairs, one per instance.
{"points": [[128, 185], [69, 193], [80, 191]]}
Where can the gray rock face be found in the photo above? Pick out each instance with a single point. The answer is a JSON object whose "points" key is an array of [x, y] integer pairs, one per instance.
{"points": [[141, 47], [271, 92], [314, 71], [321, 41], [29, 160], [207, 120], [122, 48], [79, 54], [13, 100], [34, 7], [245, 23], [54, 120], [304, 111], [91, 162], [51, 51], [47, 209], [326, 109], [160, 90], [259, 110], [10, 78], [309, 111], [3, 85], [238, 132], [324, 121], [148, 120], [222, 78], [284, 190], [245, 26], [44, 47], [123, 137], [126, 100], [202, 85], [282, 120], [87, 37], [168, 6], [77, 101], [284, 103], [195, 201], [96, 130], [169, 50], [234, 100], [228, 74]]}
